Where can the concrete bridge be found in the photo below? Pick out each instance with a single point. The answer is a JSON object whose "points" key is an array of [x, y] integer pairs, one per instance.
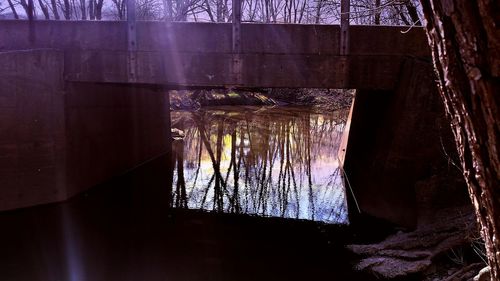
{"points": [[81, 102], [203, 54]]}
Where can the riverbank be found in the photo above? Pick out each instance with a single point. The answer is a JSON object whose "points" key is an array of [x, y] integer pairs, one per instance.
{"points": [[325, 99]]}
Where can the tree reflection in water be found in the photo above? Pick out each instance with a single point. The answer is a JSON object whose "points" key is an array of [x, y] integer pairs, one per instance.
{"points": [[279, 162]]}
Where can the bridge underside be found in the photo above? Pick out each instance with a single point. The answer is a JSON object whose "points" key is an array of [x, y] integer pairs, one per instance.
{"points": [[181, 70], [73, 113], [201, 55]]}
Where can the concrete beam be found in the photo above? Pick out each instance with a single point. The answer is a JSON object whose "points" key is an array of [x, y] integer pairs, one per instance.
{"points": [[202, 54], [285, 71]]}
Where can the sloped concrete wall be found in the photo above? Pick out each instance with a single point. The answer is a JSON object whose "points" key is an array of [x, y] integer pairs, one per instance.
{"points": [[32, 128], [399, 145], [112, 128], [58, 139]]}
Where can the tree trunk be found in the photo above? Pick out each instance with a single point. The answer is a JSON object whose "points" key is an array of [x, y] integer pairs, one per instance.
{"points": [[91, 10], [54, 9], [14, 12], [83, 9], [67, 10], [98, 9], [377, 12], [120, 8], [209, 11], [402, 15], [219, 10], [412, 11], [45, 9], [29, 8], [465, 43], [319, 6]]}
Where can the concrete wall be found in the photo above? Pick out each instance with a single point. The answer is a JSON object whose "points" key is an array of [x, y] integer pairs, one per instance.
{"points": [[57, 138], [200, 54], [111, 129], [397, 141], [32, 128]]}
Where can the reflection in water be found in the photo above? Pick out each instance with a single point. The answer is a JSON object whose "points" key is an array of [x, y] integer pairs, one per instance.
{"points": [[279, 162]]}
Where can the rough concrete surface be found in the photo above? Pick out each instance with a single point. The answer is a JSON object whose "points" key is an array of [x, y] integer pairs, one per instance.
{"points": [[58, 138], [200, 54], [398, 141]]}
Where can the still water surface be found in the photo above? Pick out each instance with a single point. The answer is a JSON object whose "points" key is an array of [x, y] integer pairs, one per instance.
{"points": [[283, 165], [277, 161]]}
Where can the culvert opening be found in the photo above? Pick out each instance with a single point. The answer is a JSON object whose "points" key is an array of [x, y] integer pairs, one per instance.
{"points": [[271, 152]]}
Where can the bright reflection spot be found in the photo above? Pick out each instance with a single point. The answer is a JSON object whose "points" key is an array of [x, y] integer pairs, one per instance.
{"points": [[74, 262]]}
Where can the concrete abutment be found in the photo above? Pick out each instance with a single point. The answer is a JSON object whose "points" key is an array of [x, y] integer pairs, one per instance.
{"points": [[59, 138], [399, 151]]}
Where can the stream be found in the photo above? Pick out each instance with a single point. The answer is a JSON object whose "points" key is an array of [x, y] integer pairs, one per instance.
{"points": [[257, 195], [265, 161]]}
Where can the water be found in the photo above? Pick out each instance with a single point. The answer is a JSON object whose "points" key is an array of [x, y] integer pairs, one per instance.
{"points": [[266, 161], [125, 229]]}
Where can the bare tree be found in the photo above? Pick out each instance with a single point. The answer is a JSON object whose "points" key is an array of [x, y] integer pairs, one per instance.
{"points": [[66, 9], [149, 9], [13, 9], [393, 12], [92, 8], [377, 12], [53, 5], [412, 12], [120, 9], [83, 9], [465, 44], [44, 8], [29, 8], [98, 5]]}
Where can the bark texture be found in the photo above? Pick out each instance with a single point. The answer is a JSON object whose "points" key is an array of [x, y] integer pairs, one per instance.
{"points": [[464, 37]]}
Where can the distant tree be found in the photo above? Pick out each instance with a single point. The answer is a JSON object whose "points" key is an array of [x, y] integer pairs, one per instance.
{"points": [[119, 9], [44, 7], [98, 5], [465, 41], [29, 8], [83, 9], [92, 8], [66, 9], [178, 10], [390, 12], [53, 5], [13, 9]]}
